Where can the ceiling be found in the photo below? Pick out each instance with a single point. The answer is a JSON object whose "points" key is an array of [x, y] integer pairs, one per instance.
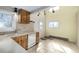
{"points": [[32, 8]]}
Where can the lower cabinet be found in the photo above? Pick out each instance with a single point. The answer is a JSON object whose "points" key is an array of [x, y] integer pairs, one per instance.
{"points": [[27, 41], [22, 40], [37, 37]]}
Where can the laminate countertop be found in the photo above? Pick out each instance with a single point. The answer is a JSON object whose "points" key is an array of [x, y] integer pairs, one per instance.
{"points": [[15, 34]]}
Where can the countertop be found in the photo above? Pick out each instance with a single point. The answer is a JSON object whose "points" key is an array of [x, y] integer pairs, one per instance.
{"points": [[15, 34]]}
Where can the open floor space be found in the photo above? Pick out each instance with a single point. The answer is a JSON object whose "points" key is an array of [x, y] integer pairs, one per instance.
{"points": [[39, 29]]}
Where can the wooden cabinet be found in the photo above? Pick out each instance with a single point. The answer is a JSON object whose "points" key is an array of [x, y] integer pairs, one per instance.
{"points": [[24, 16], [22, 40], [37, 37]]}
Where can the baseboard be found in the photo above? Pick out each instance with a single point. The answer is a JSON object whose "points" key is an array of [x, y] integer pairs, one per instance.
{"points": [[57, 37]]}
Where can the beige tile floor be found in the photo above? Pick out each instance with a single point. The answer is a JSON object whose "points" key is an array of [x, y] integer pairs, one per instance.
{"points": [[45, 46], [8, 45], [54, 46]]}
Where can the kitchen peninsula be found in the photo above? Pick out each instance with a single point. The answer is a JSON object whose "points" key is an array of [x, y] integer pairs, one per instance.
{"points": [[25, 40]]}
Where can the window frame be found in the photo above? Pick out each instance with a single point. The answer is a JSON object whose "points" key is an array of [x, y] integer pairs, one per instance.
{"points": [[53, 25]]}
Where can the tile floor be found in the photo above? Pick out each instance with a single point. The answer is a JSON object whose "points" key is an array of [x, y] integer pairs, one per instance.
{"points": [[54, 46], [45, 46]]}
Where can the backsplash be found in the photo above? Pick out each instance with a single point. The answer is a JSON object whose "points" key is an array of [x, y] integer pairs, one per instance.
{"points": [[25, 27]]}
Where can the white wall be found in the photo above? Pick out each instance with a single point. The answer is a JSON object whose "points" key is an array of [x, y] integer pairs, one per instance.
{"points": [[37, 20], [78, 28], [67, 18]]}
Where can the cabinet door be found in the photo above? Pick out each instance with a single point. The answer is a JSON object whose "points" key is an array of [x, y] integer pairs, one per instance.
{"points": [[16, 39], [24, 16], [37, 37], [22, 41]]}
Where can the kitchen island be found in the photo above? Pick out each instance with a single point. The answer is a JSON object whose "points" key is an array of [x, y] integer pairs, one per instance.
{"points": [[21, 40]]}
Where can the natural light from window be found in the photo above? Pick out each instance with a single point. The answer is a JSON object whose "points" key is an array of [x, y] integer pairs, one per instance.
{"points": [[53, 24], [7, 21]]}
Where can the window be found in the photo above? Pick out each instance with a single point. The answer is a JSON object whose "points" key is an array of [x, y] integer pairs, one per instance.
{"points": [[41, 25], [53, 24], [7, 21]]}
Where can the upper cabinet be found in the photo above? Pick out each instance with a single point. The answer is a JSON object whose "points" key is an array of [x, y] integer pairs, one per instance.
{"points": [[24, 16]]}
